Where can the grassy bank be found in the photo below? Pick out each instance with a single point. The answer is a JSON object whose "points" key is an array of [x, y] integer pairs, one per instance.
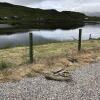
{"points": [[47, 57]]}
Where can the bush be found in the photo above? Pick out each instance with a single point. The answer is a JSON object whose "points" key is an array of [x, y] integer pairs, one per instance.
{"points": [[4, 65]]}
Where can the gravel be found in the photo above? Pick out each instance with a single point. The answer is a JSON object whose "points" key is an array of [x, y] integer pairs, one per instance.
{"points": [[84, 86]]}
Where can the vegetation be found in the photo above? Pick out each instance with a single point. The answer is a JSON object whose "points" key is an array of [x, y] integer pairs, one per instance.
{"points": [[92, 18], [24, 17], [4, 65], [48, 57]]}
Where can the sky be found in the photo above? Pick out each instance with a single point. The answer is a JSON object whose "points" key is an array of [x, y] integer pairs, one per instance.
{"points": [[73, 5]]}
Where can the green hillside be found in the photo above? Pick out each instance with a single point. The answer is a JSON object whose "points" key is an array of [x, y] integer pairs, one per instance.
{"points": [[24, 17]]}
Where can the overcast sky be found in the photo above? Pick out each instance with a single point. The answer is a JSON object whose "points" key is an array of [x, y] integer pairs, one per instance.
{"points": [[75, 5]]}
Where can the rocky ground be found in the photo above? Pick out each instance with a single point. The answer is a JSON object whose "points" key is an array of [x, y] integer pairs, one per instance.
{"points": [[85, 85]]}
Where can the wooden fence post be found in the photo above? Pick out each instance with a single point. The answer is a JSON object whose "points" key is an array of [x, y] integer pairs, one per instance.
{"points": [[31, 47], [80, 39]]}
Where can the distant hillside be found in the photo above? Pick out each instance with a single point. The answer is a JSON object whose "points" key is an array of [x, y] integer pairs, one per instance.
{"points": [[20, 16]]}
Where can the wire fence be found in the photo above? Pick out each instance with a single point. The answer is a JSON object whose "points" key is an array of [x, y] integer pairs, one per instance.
{"points": [[29, 54]]}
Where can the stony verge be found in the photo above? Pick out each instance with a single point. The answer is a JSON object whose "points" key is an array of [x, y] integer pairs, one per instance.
{"points": [[85, 85]]}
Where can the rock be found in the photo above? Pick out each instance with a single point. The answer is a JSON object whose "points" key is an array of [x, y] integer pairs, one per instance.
{"points": [[60, 75], [58, 78]]}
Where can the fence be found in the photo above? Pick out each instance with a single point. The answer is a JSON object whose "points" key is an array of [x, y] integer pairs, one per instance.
{"points": [[31, 44], [28, 53]]}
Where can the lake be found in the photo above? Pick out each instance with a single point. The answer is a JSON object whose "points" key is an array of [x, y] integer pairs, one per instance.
{"points": [[43, 36], [5, 26]]}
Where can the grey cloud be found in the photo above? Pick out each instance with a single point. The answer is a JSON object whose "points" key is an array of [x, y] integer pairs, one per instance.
{"points": [[22, 2], [76, 5]]}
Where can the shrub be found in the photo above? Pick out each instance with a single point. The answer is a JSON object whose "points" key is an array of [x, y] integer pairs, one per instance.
{"points": [[4, 65]]}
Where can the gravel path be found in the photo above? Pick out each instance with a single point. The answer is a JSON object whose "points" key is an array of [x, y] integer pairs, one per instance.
{"points": [[85, 86]]}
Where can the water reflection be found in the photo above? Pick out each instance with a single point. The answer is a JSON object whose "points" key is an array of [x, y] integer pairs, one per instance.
{"points": [[43, 36], [5, 26]]}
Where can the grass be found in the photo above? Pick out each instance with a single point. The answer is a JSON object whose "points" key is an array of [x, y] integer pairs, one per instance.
{"points": [[48, 57], [4, 65]]}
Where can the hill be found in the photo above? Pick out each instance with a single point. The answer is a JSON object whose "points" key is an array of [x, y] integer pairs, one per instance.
{"points": [[25, 17]]}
